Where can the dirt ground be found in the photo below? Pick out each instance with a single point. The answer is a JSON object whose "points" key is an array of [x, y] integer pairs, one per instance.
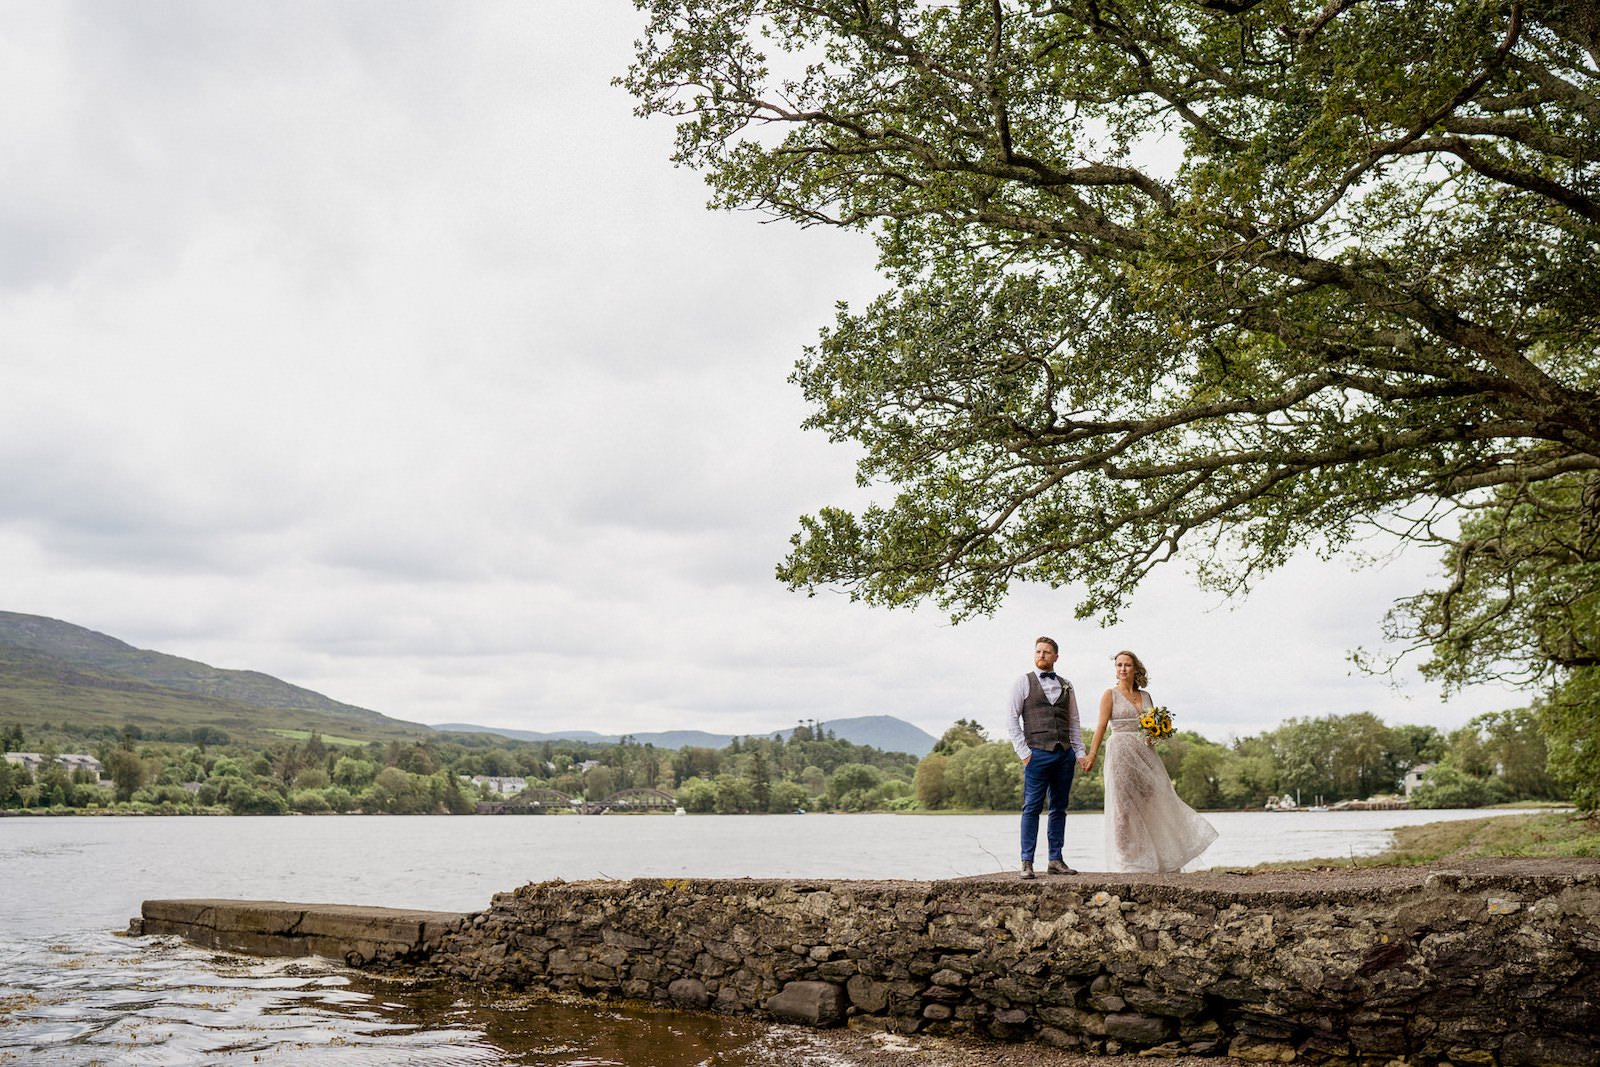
{"points": [[1343, 878], [851, 1048]]}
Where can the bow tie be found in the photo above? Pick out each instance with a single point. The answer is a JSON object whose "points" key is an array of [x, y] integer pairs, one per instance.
{"points": [[1048, 674]]}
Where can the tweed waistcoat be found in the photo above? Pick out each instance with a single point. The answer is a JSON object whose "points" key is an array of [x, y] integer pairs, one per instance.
{"points": [[1044, 725]]}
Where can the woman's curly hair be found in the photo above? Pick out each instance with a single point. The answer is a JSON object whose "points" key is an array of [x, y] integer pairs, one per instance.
{"points": [[1141, 677]]}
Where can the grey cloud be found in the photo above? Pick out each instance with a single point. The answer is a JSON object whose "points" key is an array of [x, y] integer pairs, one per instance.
{"points": [[382, 349]]}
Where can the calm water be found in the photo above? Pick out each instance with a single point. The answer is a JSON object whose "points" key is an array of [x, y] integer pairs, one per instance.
{"points": [[72, 992]]}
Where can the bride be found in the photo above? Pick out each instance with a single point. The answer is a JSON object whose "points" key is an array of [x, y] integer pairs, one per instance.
{"points": [[1148, 828]]}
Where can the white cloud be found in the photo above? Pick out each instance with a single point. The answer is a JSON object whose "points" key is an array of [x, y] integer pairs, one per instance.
{"points": [[385, 351]]}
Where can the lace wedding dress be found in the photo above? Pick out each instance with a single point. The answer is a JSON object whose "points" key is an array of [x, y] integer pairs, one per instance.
{"points": [[1148, 828]]}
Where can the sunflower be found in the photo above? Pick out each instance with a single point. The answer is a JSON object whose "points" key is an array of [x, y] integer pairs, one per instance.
{"points": [[1156, 723]]}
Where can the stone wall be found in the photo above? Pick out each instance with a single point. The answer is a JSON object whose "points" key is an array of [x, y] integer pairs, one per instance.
{"points": [[1492, 963], [1495, 962]]}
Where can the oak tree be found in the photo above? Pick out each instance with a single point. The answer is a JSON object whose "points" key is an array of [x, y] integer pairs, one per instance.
{"points": [[1219, 278]]}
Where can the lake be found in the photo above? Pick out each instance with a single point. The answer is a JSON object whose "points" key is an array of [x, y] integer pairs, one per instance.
{"points": [[72, 992]]}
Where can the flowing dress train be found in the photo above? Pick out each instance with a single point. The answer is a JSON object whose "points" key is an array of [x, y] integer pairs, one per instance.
{"points": [[1148, 827]]}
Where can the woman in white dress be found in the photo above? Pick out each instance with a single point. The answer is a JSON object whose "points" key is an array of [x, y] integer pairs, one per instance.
{"points": [[1148, 828]]}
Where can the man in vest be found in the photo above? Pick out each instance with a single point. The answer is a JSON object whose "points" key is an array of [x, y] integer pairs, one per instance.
{"points": [[1044, 730]]}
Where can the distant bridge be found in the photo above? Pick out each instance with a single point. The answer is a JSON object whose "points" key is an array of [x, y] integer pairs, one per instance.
{"points": [[546, 801]]}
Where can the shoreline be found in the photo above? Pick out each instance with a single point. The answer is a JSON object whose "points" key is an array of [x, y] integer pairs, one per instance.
{"points": [[1509, 806]]}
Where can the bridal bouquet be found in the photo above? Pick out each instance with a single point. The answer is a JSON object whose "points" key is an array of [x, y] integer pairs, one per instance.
{"points": [[1156, 724]]}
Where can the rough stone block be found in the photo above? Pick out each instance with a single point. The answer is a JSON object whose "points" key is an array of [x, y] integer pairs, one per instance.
{"points": [[1010, 1024], [1138, 1029], [955, 938], [812, 1003], [1081, 1022], [1548, 1050], [1199, 1029], [866, 994], [1152, 1002], [1252, 1050], [1029, 993], [723, 951], [1170, 1050], [1059, 1038]]}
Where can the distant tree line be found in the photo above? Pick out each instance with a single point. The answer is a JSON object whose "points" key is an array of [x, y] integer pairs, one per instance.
{"points": [[1497, 757], [810, 768]]}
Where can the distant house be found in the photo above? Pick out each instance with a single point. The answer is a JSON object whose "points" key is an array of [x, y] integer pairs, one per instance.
{"points": [[1415, 775], [505, 786], [72, 761]]}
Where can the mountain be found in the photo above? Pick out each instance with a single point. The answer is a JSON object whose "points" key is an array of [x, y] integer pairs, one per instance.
{"points": [[526, 735], [55, 674], [58, 676], [880, 731], [885, 732]]}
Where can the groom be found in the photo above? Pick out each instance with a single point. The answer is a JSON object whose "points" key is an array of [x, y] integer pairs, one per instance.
{"points": [[1043, 726]]}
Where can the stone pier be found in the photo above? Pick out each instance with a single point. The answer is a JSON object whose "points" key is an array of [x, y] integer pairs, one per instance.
{"points": [[357, 936], [1489, 962]]}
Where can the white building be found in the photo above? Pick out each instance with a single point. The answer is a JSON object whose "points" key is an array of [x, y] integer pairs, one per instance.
{"points": [[1415, 775], [72, 761], [504, 786]]}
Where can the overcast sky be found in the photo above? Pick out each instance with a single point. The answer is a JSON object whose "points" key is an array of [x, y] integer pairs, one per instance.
{"points": [[381, 348]]}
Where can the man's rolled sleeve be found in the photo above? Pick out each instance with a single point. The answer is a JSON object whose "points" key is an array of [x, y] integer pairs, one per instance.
{"points": [[1074, 727], [1019, 741]]}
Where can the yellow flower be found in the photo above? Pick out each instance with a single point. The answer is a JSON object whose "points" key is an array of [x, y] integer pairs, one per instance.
{"points": [[1147, 721]]}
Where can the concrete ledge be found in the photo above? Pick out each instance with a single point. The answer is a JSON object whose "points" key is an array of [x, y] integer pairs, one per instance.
{"points": [[356, 935]]}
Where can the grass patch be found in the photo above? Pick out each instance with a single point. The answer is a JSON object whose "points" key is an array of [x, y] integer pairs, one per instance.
{"points": [[1564, 805], [1550, 834], [327, 739], [1554, 833]]}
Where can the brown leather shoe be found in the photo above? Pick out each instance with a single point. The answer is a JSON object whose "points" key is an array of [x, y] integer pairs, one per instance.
{"points": [[1058, 867], [1027, 870]]}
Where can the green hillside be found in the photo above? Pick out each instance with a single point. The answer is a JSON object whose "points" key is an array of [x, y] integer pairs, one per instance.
{"points": [[57, 678]]}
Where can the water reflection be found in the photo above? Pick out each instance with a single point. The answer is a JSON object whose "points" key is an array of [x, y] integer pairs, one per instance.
{"points": [[101, 999], [539, 1031]]}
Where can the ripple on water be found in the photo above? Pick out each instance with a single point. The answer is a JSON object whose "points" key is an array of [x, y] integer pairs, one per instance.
{"points": [[104, 999], [101, 999]]}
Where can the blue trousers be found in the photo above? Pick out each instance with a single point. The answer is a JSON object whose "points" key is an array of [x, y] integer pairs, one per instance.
{"points": [[1046, 772]]}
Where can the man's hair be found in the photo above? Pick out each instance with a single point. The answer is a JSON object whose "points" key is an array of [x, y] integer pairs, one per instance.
{"points": [[1048, 641]]}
